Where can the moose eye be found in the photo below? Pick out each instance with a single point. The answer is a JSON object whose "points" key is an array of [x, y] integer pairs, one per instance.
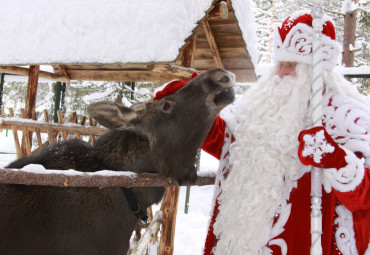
{"points": [[167, 107]]}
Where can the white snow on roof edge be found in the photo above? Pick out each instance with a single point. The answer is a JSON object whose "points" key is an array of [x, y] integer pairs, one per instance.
{"points": [[244, 13]]}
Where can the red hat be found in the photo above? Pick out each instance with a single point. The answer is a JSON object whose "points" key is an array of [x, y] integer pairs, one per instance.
{"points": [[293, 40], [172, 87]]}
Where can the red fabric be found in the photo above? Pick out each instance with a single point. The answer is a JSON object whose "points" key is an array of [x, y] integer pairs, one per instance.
{"points": [[288, 24], [329, 160], [211, 239], [172, 87], [215, 139]]}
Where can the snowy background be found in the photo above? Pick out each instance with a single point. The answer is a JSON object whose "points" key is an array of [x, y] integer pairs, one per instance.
{"points": [[191, 228]]}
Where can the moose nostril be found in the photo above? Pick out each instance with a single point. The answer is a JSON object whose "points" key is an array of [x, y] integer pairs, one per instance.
{"points": [[225, 78]]}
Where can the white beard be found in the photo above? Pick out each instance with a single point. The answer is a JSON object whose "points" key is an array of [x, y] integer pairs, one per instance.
{"points": [[264, 162]]}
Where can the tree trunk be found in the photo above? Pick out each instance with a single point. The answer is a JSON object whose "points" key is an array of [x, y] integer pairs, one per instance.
{"points": [[349, 37]]}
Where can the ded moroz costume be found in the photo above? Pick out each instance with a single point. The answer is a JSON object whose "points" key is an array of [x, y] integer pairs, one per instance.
{"points": [[262, 194]]}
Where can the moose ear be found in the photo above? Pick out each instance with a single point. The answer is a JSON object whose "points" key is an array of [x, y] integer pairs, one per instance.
{"points": [[111, 115]]}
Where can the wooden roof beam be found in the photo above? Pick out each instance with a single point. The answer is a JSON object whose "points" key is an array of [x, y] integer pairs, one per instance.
{"points": [[187, 53], [63, 71], [25, 71], [175, 70], [158, 73], [212, 43]]}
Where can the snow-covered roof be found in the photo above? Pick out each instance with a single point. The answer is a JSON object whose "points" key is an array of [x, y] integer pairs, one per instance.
{"points": [[106, 31], [95, 31]]}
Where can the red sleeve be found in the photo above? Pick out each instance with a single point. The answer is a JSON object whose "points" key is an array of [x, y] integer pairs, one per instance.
{"points": [[359, 198], [215, 139]]}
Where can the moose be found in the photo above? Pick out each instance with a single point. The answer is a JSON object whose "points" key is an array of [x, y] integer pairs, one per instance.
{"points": [[161, 137]]}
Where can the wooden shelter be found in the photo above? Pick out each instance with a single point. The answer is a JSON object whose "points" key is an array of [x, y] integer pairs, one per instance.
{"points": [[216, 41]]}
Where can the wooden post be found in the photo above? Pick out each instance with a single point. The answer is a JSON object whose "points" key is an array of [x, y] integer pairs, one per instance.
{"points": [[30, 110], [1, 91], [169, 209], [349, 37], [15, 135], [58, 91], [33, 79]]}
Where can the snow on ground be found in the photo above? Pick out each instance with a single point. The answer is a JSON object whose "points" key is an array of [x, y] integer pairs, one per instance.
{"points": [[191, 228]]}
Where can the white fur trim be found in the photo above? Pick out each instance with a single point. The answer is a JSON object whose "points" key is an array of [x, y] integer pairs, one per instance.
{"points": [[345, 235], [229, 116], [346, 178], [347, 120], [297, 47]]}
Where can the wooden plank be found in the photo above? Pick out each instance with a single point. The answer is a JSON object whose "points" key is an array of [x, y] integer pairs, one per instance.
{"points": [[203, 64], [180, 71], [46, 119], [57, 178], [225, 52], [169, 209], [26, 137], [212, 44], [225, 27], [25, 71], [16, 142], [114, 66], [63, 71], [225, 41], [118, 75], [246, 75], [187, 53], [39, 140], [6, 123], [61, 121]]}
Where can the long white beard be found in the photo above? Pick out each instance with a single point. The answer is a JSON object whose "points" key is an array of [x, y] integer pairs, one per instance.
{"points": [[264, 163]]}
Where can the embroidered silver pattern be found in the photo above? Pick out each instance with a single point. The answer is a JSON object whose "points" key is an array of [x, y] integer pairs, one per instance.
{"points": [[345, 235]]}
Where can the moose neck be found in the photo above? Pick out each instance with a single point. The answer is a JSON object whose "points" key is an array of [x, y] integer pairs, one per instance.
{"points": [[114, 146]]}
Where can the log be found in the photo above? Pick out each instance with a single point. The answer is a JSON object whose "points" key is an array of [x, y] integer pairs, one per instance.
{"points": [[100, 179], [31, 125], [169, 209]]}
